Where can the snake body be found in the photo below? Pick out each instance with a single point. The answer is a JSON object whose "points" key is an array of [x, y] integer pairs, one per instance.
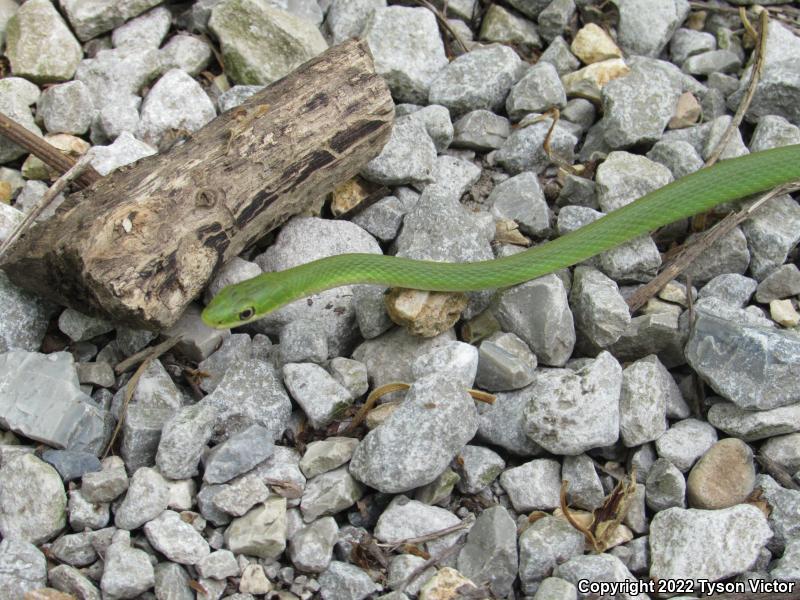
{"points": [[727, 180]]}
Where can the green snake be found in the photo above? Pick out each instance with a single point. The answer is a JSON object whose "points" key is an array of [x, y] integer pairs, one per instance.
{"points": [[728, 180]]}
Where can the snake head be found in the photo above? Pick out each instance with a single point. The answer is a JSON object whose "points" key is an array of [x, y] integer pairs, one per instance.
{"points": [[248, 301]]}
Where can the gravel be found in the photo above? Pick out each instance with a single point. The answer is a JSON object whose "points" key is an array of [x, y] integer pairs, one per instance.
{"points": [[235, 467]]}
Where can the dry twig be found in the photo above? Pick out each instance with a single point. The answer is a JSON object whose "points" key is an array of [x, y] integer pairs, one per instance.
{"points": [[759, 52], [130, 387], [696, 248], [47, 153]]}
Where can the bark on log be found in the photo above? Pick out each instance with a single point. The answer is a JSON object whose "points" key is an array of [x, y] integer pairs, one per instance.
{"points": [[140, 244]]}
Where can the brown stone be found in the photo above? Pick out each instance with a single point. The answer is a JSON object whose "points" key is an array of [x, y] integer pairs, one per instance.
{"points": [[724, 476]]}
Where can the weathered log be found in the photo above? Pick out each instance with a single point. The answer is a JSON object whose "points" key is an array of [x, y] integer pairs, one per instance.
{"points": [[143, 242]]}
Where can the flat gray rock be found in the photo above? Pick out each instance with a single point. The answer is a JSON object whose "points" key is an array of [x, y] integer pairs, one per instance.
{"points": [[176, 539], [686, 441], [502, 424], [344, 581], [406, 46], [321, 397], [260, 42], [405, 518], [646, 28], [330, 493], [127, 571], [40, 398], [32, 500], [504, 363], [415, 444], [523, 150], [598, 567], [184, 438], [490, 553], [311, 548], [706, 544], [147, 497], [570, 412], [753, 367], [646, 385], [238, 454], [544, 545], [479, 79]]}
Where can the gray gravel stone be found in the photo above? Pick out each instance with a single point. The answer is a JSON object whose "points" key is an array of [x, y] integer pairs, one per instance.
{"points": [[107, 484], [778, 80], [346, 18], [539, 90], [401, 567], [127, 571], [784, 450], [85, 514], [236, 348], [236, 96], [303, 340], [559, 55], [328, 454], [187, 53], [382, 219], [638, 107], [533, 485], [521, 198], [555, 18], [261, 42], [688, 42], [543, 546], [600, 312], [147, 497], [480, 130], [502, 423], [686, 441], [555, 588], [184, 438], [646, 386], [598, 567], [408, 156], [523, 150], [457, 360], [238, 454], [479, 79], [623, 177], [754, 425], [218, 565], [198, 340], [751, 366], [713, 61], [74, 549], [538, 312], [646, 27], [407, 49], [784, 518], [66, 108], [175, 102], [343, 581], [658, 333], [706, 544], [665, 485], [141, 433], [25, 318], [585, 489], [321, 397], [239, 497], [39, 45], [125, 150], [504, 363], [731, 288], [71, 581], [771, 233], [311, 548], [786, 568], [504, 27], [783, 282], [16, 95], [23, 568], [678, 156], [249, 393], [436, 419], [477, 467], [570, 411], [330, 493], [405, 518], [773, 131], [352, 374], [490, 554], [176, 539], [71, 464]]}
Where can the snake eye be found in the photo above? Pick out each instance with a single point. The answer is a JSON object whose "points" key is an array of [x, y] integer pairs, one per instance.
{"points": [[246, 314]]}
